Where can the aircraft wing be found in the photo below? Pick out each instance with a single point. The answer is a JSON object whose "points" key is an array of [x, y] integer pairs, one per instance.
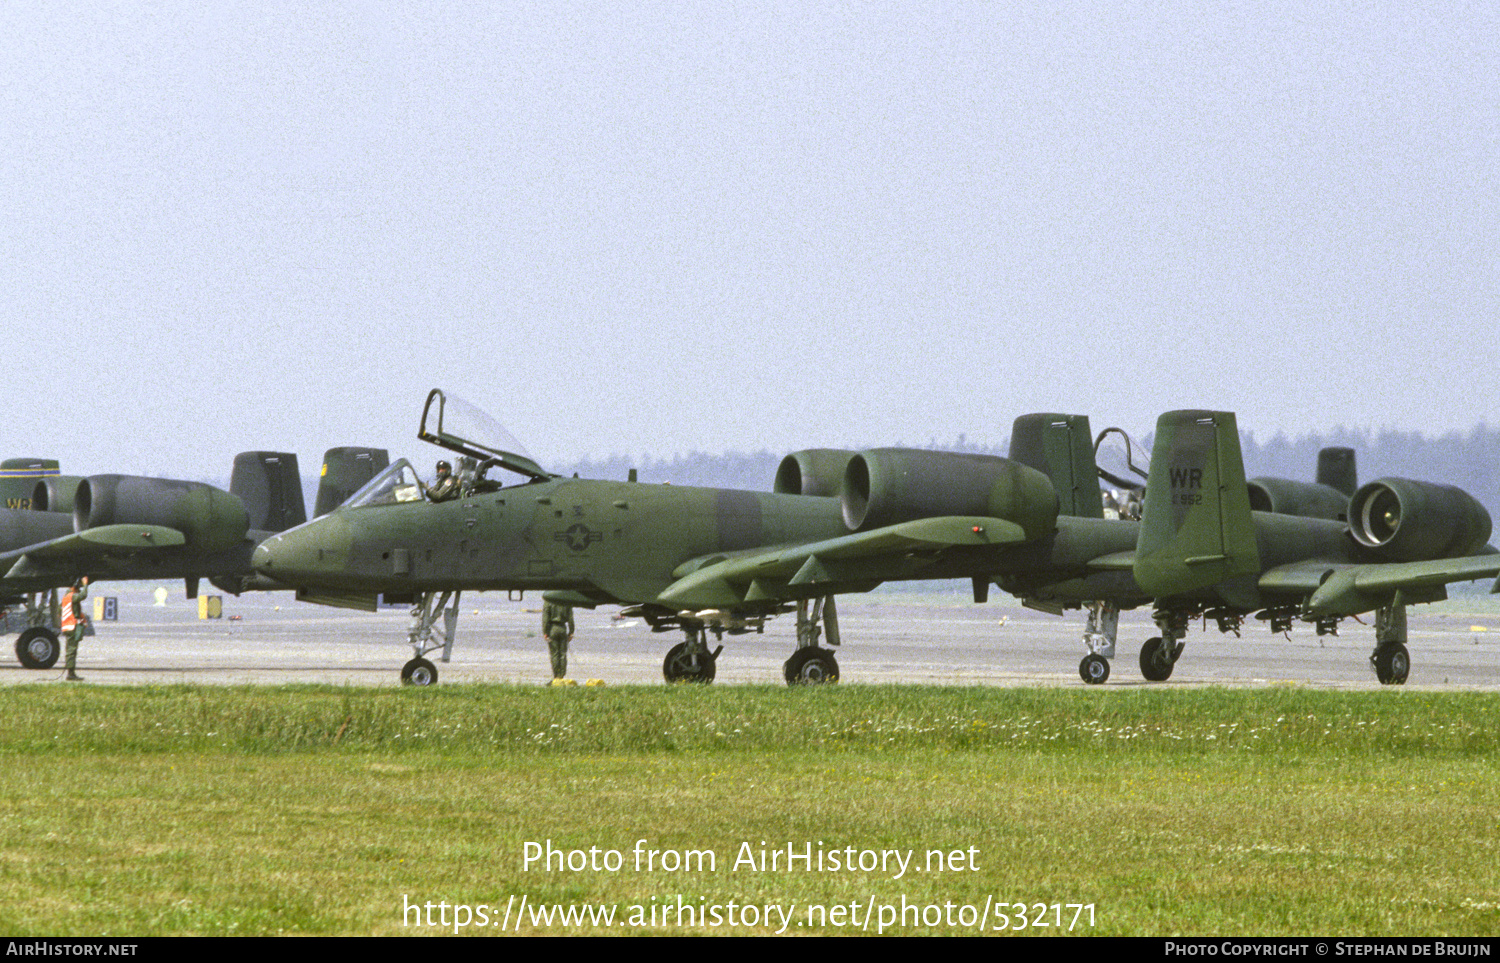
{"points": [[34, 560], [1334, 589], [856, 562]]}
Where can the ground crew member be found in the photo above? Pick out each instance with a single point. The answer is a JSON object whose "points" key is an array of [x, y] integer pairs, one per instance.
{"points": [[557, 626], [72, 625], [445, 488]]}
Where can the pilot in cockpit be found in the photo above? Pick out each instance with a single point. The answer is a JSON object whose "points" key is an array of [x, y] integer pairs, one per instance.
{"points": [[445, 487]]}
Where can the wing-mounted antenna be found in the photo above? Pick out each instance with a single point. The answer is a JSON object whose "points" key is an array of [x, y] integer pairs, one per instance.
{"points": [[432, 430]]}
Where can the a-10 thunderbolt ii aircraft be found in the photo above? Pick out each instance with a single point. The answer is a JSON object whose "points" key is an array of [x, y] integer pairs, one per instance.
{"points": [[1205, 550], [692, 559], [724, 561], [120, 527]]}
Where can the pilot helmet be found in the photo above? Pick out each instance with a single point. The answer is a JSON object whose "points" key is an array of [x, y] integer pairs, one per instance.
{"points": [[444, 468]]}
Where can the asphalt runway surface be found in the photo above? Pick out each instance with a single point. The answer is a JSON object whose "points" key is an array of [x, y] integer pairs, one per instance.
{"points": [[936, 637]]}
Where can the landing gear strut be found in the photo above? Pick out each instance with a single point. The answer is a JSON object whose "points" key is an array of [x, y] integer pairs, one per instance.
{"points": [[691, 661], [1160, 654], [1391, 660], [424, 638], [810, 664], [1099, 639]]}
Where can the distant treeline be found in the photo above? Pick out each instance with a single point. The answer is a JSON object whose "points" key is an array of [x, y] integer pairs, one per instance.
{"points": [[1470, 460]]}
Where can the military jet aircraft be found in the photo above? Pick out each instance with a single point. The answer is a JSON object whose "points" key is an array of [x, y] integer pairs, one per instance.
{"points": [[710, 560], [1208, 549], [725, 561], [119, 527]]}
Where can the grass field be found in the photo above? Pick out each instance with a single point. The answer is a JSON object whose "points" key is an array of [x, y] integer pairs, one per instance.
{"points": [[1279, 810]]}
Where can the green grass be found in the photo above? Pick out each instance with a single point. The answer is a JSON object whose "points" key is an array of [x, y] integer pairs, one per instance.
{"points": [[319, 810]]}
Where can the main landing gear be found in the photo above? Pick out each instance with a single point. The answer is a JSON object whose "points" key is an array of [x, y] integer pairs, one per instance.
{"points": [[37, 647], [424, 638], [691, 661], [1159, 654], [811, 664], [1099, 639], [1391, 660]]}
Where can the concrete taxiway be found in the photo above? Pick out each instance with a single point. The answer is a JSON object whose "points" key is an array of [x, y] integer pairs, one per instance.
{"points": [[934, 636]]}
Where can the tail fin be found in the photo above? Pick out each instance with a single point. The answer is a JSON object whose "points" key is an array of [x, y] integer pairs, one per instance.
{"points": [[19, 477], [1336, 470], [270, 485], [345, 471], [1197, 532], [1062, 448]]}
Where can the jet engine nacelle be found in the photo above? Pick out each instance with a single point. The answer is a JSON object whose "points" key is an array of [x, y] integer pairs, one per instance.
{"points": [[1408, 521], [884, 486], [55, 494], [812, 471], [1302, 499], [209, 518]]}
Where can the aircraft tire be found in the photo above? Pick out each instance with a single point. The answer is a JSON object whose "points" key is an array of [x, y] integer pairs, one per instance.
{"points": [[1392, 663], [680, 666], [1153, 666], [1094, 669], [419, 672], [38, 648], [811, 666]]}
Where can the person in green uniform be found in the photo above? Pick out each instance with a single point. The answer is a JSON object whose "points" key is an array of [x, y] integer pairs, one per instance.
{"points": [[72, 625], [557, 625], [445, 487]]}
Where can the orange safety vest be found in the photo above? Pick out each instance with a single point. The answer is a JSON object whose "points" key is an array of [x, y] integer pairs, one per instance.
{"points": [[69, 618]]}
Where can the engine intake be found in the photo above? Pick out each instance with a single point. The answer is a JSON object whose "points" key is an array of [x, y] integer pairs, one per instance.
{"points": [[55, 494], [885, 486], [812, 471], [1408, 521], [210, 519]]}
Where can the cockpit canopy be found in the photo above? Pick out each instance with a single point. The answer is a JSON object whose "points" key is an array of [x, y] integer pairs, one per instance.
{"points": [[398, 483], [452, 423]]}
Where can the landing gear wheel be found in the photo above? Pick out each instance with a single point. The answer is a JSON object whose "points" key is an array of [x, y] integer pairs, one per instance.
{"points": [[682, 665], [1094, 669], [1154, 665], [1392, 663], [37, 648], [811, 666], [419, 672]]}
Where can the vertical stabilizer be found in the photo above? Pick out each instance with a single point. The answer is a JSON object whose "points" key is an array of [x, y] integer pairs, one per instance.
{"points": [[345, 471], [19, 478], [1336, 469], [1062, 448], [1196, 530], [270, 485]]}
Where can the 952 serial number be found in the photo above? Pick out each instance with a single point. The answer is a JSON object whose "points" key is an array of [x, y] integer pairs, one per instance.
{"points": [[1027, 916]]}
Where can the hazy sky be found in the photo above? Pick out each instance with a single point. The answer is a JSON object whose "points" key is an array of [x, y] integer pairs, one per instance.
{"points": [[653, 228]]}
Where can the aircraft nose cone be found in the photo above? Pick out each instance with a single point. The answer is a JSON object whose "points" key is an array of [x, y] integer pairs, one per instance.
{"points": [[285, 557], [311, 554]]}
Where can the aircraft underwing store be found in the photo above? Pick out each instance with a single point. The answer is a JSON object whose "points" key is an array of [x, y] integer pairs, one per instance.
{"points": [[1184, 532]]}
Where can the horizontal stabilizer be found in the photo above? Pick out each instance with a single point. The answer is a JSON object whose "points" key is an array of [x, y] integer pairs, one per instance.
{"points": [[1365, 587]]}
